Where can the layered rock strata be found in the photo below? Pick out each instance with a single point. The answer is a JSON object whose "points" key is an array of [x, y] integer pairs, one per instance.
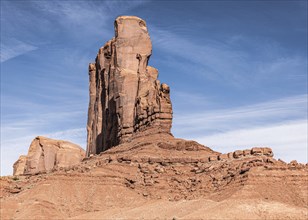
{"points": [[126, 99], [45, 154]]}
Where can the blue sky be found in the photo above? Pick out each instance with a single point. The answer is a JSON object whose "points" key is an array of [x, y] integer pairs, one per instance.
{"points": [[237, 70]]}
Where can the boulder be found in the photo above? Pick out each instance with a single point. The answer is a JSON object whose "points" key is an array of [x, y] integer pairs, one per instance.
{"points": [[246, 152], [293, 162], [256, 151], [267, 152], [238, 154], [213, 158]]}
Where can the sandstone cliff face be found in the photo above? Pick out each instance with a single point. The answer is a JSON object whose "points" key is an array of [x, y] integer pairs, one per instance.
{"points": [[126, 99], [44, 154]]}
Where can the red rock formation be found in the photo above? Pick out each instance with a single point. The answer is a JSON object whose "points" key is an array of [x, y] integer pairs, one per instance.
{"points": [[126, 99], [46, 154]]}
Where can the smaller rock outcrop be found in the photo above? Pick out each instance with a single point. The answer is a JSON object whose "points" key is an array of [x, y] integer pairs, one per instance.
{"points": [[20, 165], [44, 154]]}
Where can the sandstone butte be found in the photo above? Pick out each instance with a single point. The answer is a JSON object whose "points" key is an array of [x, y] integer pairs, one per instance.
{"points": [[134, 168]]}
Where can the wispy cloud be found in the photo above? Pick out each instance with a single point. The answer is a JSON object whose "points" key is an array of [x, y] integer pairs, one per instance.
{"points": [[294, 66], [222, 120], [288, 140], [12, 48], [212, 57], [92, 17], [229, 62], [76, 135]]}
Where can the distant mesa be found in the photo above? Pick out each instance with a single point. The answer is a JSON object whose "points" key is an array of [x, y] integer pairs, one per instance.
{"points": [[126, 99], [45, 154]]}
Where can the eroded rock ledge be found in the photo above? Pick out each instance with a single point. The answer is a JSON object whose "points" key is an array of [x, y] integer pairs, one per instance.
{"points": [[126, 99]]}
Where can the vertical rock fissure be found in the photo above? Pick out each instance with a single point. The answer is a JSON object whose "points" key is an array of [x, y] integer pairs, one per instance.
{"points": [[42, 156]]}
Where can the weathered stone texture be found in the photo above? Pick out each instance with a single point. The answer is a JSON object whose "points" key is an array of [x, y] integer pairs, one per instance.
{"points": [[44, 154], [126, 99]]}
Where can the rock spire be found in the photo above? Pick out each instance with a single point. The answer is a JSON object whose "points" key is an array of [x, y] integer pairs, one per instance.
{"points": [[126, 99]]}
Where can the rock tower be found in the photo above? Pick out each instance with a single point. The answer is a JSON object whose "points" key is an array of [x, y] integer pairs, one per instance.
{"points": [[126, 99]]}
